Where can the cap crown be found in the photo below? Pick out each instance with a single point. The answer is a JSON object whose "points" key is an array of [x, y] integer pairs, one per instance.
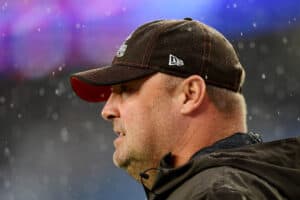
{"points": [[183, 48]]}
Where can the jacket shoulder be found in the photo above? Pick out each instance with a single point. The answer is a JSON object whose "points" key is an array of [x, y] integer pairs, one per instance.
{"points": [[225, 183]]}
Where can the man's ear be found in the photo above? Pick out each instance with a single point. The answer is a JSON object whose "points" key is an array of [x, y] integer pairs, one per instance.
{"points": [[192, 93]]}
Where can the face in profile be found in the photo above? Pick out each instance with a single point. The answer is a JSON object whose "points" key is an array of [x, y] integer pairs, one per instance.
{"points": [[140, 113]]}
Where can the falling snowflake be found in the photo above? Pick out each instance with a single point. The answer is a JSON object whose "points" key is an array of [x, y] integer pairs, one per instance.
{"points": [[279, 70], [4, 6], [41, 92], [6, 152], [240, 45], [252, 45], [284, 40], [60, 68], [64, 134], [55, 116], [57, 92], [2, 100], [19, 115], [78, 25], [48, 10]]}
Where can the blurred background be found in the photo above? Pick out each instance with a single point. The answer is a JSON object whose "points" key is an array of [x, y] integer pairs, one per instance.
{"points": [[55, 146]]}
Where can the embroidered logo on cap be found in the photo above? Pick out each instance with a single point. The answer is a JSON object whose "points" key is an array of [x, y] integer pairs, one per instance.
{"points": [[121, 50], [173, 60], [123, 47]]}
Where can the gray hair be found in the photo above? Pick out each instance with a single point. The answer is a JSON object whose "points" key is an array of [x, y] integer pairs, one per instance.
{"points": [[229, 103], [226, 101]]}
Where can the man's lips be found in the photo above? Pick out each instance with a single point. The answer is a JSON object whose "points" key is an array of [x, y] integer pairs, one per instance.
{"points": [[120, 137], [119, 131]]}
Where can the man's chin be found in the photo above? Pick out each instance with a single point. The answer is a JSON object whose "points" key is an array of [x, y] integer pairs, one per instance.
{"points": [[120, 162]]}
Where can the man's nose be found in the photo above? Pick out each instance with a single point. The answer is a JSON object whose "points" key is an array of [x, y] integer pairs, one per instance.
{"points": [[110, 109]]}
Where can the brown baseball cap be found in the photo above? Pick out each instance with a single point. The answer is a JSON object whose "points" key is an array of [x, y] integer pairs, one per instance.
{"points": [[176, 47]]}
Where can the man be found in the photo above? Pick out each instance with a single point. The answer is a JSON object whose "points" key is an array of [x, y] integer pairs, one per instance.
{"points": [[173, 95]]}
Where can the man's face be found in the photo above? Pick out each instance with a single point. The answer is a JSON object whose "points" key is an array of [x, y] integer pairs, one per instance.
{"points": [[140, 111]]}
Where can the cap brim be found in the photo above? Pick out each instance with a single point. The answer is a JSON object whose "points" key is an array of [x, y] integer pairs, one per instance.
{"points": [[94, 85]]}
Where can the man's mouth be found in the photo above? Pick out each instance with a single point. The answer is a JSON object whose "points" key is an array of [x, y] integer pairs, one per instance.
{"points": [[121, 134], [120, 137]]}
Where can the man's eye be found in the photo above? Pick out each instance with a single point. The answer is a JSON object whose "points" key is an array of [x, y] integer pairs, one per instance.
{"points": [[123, 88]]}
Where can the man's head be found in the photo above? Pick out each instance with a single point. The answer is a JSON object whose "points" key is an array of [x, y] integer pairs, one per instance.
{"points": [[173, 86], [176, 47]]}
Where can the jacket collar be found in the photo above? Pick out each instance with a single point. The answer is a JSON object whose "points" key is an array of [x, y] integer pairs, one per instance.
{"points": [[165, 180], [234, 141]]}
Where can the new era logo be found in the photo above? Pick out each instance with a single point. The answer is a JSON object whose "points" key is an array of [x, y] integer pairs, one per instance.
{"points": [[174, 61]]}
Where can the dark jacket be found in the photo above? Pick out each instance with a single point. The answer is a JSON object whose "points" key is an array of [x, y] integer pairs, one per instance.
{"points": [[238, 167]]}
